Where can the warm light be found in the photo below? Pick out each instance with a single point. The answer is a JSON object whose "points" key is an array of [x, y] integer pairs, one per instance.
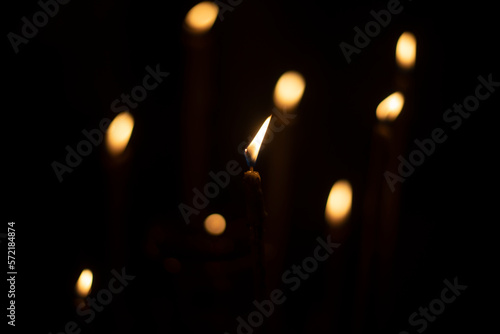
{"points": [[215, 224], [119, 132], [390, 107], [406, 50], [84, 283], [202, 17], [252, 151], [338, 205], [289, 90]]}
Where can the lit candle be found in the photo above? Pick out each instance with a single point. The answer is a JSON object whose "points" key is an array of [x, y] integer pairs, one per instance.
{"points": [[118, 165], [252, 181], [255, 208], [406, 54], [198, 94], [376, 198]]}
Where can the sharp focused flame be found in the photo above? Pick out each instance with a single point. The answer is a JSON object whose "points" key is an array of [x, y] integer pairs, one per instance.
{"points": [[406, 50], [84, 283], [252, 151], [215, 224], [289, 90], [338, 205], [202, 17], [119, 132], [390, 107]]}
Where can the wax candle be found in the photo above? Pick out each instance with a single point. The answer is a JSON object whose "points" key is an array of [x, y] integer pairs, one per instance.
{"points": [[255, 209]]}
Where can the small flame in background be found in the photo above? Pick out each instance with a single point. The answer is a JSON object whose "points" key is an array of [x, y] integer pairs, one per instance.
{"points": [[390, 107], [252, 151], [119, 132], [84, 283], [289, 90], [338, 205], [215, 224], [202, 17], [406, 51]]}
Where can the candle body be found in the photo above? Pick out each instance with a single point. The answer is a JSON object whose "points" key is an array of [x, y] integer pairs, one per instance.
{"points": [[256, 215]]}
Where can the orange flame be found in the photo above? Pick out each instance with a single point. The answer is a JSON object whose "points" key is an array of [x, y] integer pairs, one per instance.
{"points": [[252, 151], [84, 283], [215, 224], [390, 107], [338, 205], [202, 17], [406, 50], [119, 132], [289, 90]]}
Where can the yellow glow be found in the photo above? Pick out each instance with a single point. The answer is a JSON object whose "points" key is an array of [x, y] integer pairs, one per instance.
{"points": [[119, 132], [252, 151], [406, 50], [338, 205], [215, 224], [202, 17], [84, 283], [289, 90], [390, 107]]}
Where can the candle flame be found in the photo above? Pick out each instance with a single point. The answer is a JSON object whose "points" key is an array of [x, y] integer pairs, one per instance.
{"points": [[202, 17], [289, 90], [252, 151], [119, 132], [84, 283], [215, 224], [406, 50], [338, 205], [390, 107]]}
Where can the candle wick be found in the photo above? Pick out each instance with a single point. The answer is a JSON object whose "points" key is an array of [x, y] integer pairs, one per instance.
{"points": [[251, 168]]}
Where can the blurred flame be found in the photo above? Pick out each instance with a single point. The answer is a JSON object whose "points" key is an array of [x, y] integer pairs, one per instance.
{"points": [[202, 17], [289, 90], [215, 224], [119, 132], [390, 107], [338, 205], [252, 151], [84, 283], [406, 50]]}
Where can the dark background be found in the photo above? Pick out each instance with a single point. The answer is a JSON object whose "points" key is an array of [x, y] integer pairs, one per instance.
{"points": [[107, 215]]}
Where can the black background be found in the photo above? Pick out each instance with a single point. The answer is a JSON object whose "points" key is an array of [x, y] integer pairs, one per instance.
{"points": [[103, 217]]}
